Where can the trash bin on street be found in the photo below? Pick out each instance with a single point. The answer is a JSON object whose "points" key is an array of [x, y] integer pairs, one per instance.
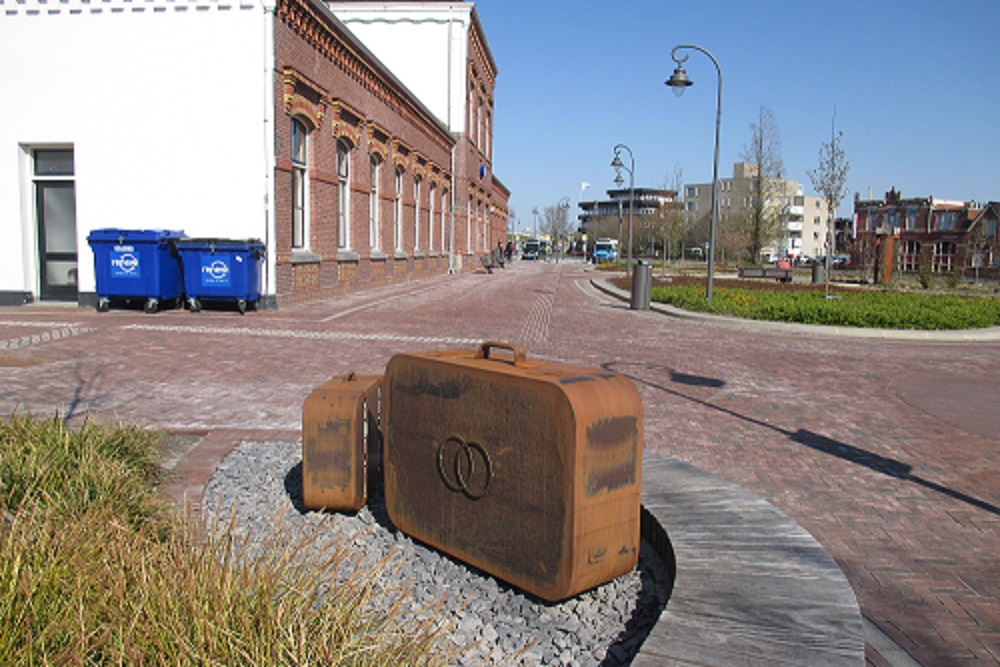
{"points": [[819, 270], [137, 264], [222, 270], [642, 278]]}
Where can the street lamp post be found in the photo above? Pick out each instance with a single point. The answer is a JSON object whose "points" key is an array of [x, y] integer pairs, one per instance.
{"points": [[563, 222], [619, 165], [679, 81]]}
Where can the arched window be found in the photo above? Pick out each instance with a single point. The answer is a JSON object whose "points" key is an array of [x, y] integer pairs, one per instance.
{"points": [[445, 247], [397, 211], [343, 194], [430, 219], [416, 213], [373, 201], [300, 184]]}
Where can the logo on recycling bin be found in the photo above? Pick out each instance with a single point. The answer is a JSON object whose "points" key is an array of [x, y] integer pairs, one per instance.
{"points": [[124, 265], [214, 272]]}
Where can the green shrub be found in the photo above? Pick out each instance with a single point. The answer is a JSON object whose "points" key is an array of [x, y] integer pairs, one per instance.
{"points": [[862, 308]]}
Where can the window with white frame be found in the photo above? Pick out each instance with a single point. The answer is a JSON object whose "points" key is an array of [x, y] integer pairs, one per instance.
{"points": [[444, 210], [300, 184], [343, 194], [416, 212], [430, 219], [468, 226], [397, 211], [945, 221], [911, 219], [375, 163]]}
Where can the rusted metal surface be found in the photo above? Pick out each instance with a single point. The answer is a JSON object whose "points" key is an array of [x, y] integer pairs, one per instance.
{"points": [[528, 470], [340, 431]]}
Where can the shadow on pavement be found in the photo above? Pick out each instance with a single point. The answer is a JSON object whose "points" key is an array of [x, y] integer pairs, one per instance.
{"points": [[820, 443]]}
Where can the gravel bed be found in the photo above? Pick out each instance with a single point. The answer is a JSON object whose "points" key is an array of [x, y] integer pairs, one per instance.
{"points": [[261, 481]]}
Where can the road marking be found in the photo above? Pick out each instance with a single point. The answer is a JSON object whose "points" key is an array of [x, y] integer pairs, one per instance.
{"points": [[29, 323], [309, 335], [44, 337], [379, 302]]}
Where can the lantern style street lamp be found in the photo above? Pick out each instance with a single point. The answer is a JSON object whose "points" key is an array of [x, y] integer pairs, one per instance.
{"points": [[679, 81], [619, 165]]}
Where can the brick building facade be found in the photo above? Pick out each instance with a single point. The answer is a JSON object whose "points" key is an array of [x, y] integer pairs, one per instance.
{"points": [[939, 236], [376, 181], [253, 119]]}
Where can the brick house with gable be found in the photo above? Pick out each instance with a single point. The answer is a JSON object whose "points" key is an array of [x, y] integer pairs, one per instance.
{"points": [[942, 236]]}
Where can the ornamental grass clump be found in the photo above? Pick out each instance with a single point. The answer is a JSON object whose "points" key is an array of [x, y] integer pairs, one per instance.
{"points": [[94, 571]]}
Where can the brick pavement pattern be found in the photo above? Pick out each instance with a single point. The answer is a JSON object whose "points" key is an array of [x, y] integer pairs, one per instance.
{"points": [[887, 451]]}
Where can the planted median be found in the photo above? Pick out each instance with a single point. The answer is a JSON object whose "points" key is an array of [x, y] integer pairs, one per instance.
{"points": [[846, 306]]}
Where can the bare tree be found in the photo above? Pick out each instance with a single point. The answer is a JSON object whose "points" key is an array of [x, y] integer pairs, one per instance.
{"points": [[830, 180], [769, 202], [555, 223]]}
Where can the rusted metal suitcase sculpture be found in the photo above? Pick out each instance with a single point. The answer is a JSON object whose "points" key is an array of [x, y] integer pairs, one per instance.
{"points": [[340, 434], [529, 470]]}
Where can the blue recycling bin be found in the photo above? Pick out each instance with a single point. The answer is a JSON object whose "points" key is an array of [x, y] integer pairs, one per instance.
{"points": [[137, 264], [222, 270]]}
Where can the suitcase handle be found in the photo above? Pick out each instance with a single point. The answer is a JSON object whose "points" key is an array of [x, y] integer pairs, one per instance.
{"points": [[519, 353]]}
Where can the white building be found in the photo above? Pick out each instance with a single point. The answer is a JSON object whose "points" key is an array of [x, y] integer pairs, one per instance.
{"points": [[161, 112]]}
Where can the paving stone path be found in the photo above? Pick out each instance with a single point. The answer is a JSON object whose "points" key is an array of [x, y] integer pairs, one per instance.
{"points": [[886, 451]]}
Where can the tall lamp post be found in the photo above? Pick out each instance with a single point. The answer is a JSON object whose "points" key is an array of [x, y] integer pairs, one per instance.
{"points": [[619, 165], [563, 222], [679, 81]]}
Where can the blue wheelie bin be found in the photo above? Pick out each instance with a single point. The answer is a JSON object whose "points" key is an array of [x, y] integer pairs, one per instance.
{"points": [[137, 264], [222, 270]]}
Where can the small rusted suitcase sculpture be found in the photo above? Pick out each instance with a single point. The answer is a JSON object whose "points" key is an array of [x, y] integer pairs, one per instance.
{"points": [[528, 470], [340, 439]]}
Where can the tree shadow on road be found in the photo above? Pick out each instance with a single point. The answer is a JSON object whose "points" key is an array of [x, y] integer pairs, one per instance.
{"points": [[818, 442]]}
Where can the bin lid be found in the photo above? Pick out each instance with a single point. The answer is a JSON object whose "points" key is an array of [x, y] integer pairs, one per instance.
{"points": [[113, 234], [243, 244]]}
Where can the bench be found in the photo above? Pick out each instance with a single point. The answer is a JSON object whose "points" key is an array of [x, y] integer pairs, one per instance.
{"points": [[766, 272]]}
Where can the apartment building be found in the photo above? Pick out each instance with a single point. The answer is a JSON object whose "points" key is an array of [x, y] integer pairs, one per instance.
{"points": [[803, 218]]}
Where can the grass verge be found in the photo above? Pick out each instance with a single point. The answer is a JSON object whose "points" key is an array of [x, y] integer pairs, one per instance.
{"points": [[94, 570]]}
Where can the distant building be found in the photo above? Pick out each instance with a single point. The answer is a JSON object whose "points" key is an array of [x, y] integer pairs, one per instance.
{"points": [[648, 203], [938, 234], [804, 217]]}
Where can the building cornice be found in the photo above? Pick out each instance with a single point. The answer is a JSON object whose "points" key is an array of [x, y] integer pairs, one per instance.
{"points": [[85, 7]]}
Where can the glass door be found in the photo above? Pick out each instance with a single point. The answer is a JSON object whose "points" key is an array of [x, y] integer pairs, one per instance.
{"points": [[55, 209]]}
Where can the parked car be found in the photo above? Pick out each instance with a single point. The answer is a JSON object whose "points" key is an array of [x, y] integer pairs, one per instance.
{"points": [[804, 259], [841, 261]]}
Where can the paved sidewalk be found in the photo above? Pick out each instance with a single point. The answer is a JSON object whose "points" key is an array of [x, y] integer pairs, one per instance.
{"points": [[887, 451]]}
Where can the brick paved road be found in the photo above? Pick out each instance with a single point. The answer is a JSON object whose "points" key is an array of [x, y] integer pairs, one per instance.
{"points": [[888, 452]]}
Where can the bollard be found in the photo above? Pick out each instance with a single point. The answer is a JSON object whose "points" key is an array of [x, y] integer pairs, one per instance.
{"points": [[642, 278]]}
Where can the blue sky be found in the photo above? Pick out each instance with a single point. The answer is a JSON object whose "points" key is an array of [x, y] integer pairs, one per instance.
{"points": [[915, 85]]}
